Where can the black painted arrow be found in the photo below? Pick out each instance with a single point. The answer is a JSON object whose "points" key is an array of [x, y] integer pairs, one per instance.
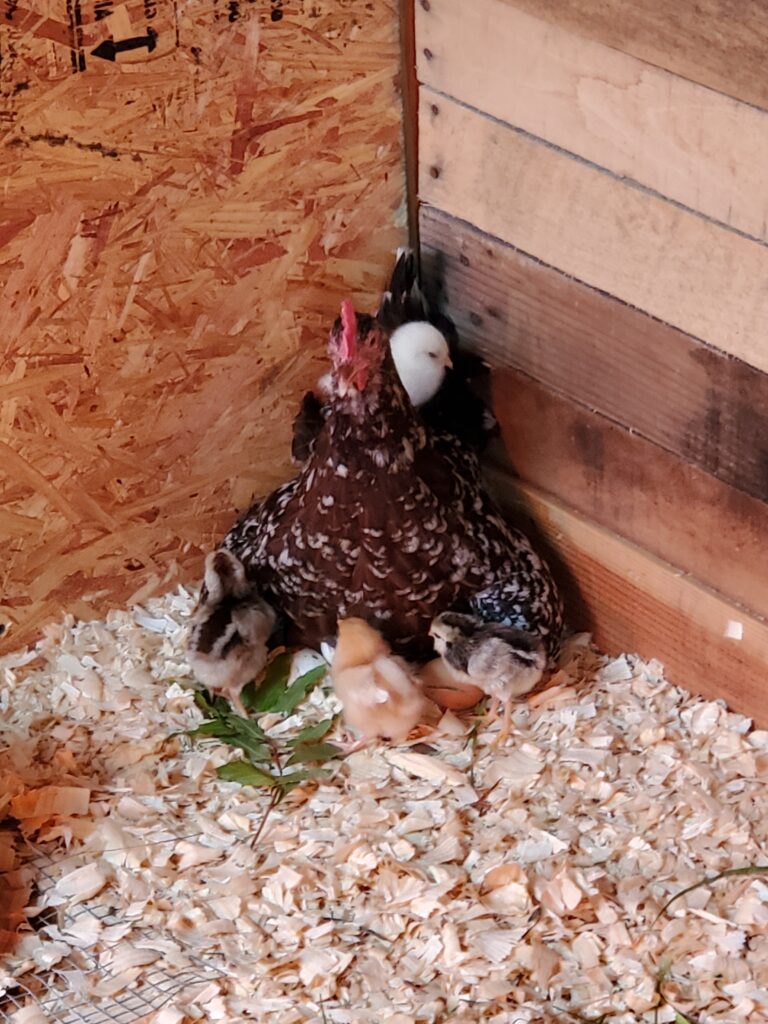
{"points": [[108, 49]]}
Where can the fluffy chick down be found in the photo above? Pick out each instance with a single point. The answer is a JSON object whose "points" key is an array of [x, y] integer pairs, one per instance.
{"points": [[379, 695], [227, 646]]}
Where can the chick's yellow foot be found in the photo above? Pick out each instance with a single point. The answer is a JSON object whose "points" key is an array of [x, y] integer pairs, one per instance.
{"points": [[506, 722], [237, 704], [493, 711], [351, 746]]}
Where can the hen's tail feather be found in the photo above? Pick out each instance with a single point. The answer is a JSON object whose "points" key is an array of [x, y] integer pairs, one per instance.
{"points": [[403, 301], [307, 425]]}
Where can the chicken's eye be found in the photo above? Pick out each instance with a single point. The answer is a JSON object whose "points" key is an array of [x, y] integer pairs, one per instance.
{"points": [[432, 355]]}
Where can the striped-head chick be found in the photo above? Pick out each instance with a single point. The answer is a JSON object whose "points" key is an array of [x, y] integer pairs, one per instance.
{"points": [[378, 693], [503, 662], [231, 624]]}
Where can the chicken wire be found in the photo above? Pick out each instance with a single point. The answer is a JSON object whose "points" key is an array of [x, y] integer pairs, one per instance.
{"points": [[57, 991]]}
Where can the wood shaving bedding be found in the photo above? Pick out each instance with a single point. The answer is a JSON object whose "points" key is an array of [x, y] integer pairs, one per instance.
{"points": [[445, 882]]}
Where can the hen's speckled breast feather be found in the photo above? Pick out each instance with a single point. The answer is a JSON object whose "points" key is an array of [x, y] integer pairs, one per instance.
{"points": [[389, 522]]}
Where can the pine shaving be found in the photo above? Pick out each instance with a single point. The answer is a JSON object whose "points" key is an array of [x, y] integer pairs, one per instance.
{"points": [[440, 880], [49, 801]]}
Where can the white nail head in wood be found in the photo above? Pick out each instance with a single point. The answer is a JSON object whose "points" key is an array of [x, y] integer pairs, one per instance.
{"points": [[734, 630]]}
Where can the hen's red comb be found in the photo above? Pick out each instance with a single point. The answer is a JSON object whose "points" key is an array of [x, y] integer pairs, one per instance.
{"points": [[348, 330]]}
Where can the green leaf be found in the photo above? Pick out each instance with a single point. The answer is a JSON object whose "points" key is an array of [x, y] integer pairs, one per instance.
{"points": [[312, 753], [310, 733], [246, 727], [294, 694], [246, 774], [266, 696], [215, 728], [240, 726], [212, 707], [224, 725], [256, 751], [680, 1019], [293, 779]]}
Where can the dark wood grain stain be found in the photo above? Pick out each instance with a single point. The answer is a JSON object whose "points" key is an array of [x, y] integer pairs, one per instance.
{"points": [[634, 488], [701, 404], [590, 446]]}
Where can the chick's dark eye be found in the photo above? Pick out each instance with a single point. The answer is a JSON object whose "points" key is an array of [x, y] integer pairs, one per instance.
{"points": [[433, 355]]}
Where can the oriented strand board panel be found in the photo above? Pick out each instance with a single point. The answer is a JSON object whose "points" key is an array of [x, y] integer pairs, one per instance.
{"points": [[720, 43], [698, 276], [188, 190], [691, 144], [635, 489], [635, 602], [708, 408]]}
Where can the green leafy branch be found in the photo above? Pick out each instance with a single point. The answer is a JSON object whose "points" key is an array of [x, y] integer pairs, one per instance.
{"points": [[265, 763]]}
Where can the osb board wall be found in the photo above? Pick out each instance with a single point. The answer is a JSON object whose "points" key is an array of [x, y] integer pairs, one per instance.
{"points": [[593, 197], [188, 192]]}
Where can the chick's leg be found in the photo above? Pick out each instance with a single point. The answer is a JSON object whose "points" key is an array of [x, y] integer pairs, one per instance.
{"points": [[493, 711], [506, 722], [233, 696], [350, 746]]}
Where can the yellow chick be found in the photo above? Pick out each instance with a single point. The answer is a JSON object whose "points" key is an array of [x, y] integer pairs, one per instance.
{"points": [[376, 689]]}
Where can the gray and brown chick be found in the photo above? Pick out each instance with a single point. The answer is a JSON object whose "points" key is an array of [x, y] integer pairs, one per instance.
{"points": [[503, 662], [227, 646]]}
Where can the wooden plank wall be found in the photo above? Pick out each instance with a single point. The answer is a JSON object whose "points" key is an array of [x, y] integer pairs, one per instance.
{"points": [[188, 190], [594, 199]]}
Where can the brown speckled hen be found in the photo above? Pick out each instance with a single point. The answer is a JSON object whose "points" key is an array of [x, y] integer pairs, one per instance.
{"points": [[387, 521]]}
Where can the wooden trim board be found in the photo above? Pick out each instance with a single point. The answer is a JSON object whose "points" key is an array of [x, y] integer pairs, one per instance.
{"points": [[691, 144], [707, 407], [634, 488], [409, 94], [720, 45], [636, 603], [695, 275]]}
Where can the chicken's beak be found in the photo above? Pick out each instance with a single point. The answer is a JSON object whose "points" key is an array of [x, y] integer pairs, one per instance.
{"points": [[351, 378], [448, 363]]}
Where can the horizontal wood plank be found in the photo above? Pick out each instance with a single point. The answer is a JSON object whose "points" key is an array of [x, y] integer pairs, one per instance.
{"points": [[708, 408], [694, 145], [689, 272], [636, 603], [722, 45], [634, 488]]}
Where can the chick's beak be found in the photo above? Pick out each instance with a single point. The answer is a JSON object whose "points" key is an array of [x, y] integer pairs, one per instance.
{"points": [[435, 631], [448, 362]]}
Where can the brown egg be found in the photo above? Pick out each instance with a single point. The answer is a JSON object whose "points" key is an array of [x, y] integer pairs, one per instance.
{"points": [[445, 690]]}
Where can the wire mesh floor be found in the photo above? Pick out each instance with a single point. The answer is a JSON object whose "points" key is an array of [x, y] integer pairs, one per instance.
{"points": [[62, 993]]}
